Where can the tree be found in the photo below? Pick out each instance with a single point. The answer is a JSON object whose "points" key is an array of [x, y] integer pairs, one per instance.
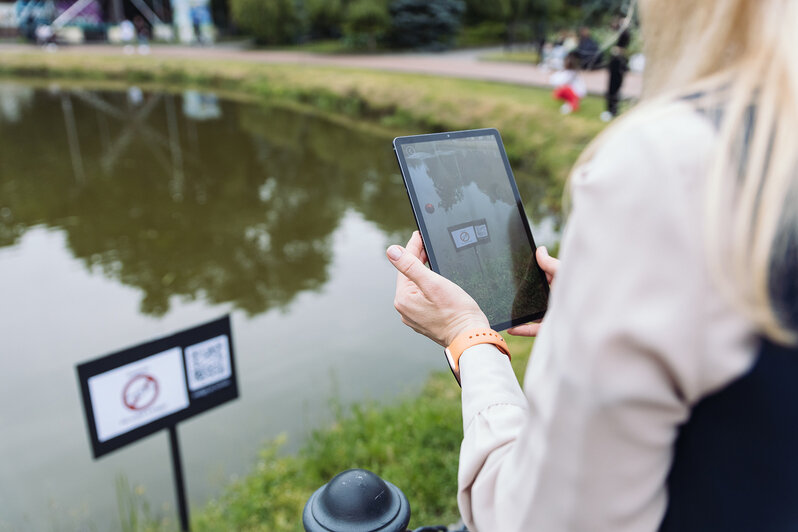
{"points": [[515, 15], [597, 11], [589, 12], [325, 18], [269, 21], [481, 11], [425, 23], [366, 22]]}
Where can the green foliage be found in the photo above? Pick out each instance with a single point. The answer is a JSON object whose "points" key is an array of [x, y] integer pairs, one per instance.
{"points": [[134, 510], [325, 18], [524, 19], [596, 12], [366, 22], [508, 10], [268, 21], [520, 20], [413, 444], [425, 23], [483, 34]]}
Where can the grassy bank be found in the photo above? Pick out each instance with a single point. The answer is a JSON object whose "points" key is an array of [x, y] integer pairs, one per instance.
{"points": [[540, 142], [413, 444]]}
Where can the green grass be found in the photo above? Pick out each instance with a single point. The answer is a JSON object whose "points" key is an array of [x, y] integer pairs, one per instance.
{"points": [[527, 57], [413, 443]]}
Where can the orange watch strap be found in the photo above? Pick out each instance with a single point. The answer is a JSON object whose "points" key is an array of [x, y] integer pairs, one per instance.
{"points": [[471, 338]]}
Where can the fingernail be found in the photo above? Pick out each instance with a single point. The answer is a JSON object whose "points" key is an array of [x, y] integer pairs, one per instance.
{"points": [[394, 252], [546, 251]]}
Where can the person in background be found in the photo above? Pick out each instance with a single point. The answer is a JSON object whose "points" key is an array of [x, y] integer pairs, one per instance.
{"points": [[569, 87], [29, 28], [143, 34], [555, 55], [196, 23], [588, 50], [45, 36], [617, 67], [127, 34], [660, 394], [541, 41]]}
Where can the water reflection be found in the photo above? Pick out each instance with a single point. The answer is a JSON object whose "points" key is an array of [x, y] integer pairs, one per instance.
{"points": [[197, 199]]}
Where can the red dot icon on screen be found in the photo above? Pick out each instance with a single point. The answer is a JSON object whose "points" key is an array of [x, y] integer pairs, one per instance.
{"points": [[430, 208], [140, 392]]}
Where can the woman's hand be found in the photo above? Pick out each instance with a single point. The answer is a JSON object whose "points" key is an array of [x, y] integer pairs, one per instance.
{"points": [[430, 304], [549, 265]]}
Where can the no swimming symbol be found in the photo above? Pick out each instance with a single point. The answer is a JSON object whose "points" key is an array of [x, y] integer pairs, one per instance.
{"points": [[140, 392]]}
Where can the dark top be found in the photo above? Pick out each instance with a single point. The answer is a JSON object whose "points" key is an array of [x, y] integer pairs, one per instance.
{"points": [[735, 464], [588, 51]]}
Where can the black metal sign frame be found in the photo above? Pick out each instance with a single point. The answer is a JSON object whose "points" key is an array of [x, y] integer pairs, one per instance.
{"points": [[478, 240], [198, 401]]}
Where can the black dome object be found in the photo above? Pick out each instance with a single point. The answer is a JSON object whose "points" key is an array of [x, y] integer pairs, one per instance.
{"points": [[357, 501]]}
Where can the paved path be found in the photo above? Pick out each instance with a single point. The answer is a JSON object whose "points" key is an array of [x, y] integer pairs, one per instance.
{"points": [[459, 64]]}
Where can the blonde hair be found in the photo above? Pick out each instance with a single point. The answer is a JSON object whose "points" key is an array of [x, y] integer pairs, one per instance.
{"points": [[741, 58]]}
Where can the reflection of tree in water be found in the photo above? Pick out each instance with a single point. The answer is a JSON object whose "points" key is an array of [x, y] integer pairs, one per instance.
{"points": [[531, 295], [239, 209], [451, 170]]}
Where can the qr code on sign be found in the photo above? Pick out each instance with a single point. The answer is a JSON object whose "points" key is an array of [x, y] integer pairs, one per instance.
{"points": [[208, 362]]}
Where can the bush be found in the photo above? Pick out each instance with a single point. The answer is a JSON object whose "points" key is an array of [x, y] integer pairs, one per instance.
{"points": [[483, 34], [425, 23], [366, 22], [478, 11], [325, 18], [268, 21]]}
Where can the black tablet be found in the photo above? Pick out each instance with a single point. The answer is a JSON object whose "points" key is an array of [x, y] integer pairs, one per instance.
{"points": [[470, 215]]}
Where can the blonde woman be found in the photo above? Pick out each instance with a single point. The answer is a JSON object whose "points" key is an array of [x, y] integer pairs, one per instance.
{"points": [[656, 397]]}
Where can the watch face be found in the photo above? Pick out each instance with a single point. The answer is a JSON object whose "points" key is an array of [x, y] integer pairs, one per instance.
{"points": [[450, 360]]}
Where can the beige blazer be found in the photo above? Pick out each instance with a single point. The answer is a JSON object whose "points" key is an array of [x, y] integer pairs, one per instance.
{"points": [[636, 333]]}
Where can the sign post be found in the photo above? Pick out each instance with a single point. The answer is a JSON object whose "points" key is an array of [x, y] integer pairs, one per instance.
{"points": [[470, 235], [138, 391], [177, 469]]}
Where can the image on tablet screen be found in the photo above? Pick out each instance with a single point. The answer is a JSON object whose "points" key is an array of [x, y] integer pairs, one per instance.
{"points": [[474, 225]]}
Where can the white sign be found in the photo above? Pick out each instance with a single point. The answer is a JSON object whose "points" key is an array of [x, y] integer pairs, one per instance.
{"points": [[465, 236], [138, 393], [208, 362], [481, 230]]}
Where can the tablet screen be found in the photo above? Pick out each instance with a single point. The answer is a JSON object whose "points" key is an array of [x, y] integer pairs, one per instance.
{"points": [[471, 218]]}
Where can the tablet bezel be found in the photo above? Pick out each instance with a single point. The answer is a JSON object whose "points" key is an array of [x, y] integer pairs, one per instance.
{"points": [[398, 142]]}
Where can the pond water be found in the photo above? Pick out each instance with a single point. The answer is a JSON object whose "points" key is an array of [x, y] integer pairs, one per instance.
{"points": [[129, 215]]}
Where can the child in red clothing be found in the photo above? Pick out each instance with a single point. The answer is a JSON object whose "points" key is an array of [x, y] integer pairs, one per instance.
{"points": [[569, 86]]}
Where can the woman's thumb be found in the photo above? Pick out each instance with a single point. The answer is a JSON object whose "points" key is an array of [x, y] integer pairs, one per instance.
{"points": [[409, 265]]}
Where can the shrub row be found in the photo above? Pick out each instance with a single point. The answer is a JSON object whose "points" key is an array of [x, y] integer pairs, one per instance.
{"points": [[363, 23], [431, 24]]}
